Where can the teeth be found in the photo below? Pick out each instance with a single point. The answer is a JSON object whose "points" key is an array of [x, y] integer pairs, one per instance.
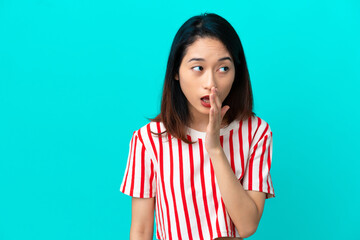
{"points": [[206, 100]]}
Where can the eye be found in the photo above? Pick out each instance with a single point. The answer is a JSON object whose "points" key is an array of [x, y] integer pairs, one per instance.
{"points": [[227, 68], [200, 67]]}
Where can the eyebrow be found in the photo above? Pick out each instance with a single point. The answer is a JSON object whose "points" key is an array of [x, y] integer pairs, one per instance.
{"points": [[201, 59]]}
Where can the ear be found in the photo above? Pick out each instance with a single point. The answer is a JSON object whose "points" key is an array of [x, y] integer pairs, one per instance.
{"points": [[177, 76]]}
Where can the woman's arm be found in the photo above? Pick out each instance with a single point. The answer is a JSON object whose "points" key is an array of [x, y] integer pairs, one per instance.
{"points": [[244, 209], [142, 218]]}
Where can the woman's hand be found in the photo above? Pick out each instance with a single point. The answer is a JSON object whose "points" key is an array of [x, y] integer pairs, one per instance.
{"points": [[212, 139]]}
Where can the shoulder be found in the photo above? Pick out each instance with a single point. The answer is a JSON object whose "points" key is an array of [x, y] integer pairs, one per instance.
{"points": [[256, 127], [149, 130], [260, 124]]}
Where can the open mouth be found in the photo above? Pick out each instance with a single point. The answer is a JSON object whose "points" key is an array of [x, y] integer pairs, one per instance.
{"points": [[205, 101]]}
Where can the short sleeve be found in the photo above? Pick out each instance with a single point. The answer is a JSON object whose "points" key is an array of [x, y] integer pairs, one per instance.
{"points": [[257, 172], [139, 179]]}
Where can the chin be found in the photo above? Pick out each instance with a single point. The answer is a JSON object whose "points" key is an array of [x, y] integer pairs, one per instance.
{"points": [[201, 110], [205, 111]]}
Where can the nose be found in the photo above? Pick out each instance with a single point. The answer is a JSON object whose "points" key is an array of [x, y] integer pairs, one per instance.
{"points": [[209, 81]]}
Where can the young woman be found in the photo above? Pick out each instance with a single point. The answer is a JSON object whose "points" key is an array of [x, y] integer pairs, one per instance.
{"points": [[203, 164]]}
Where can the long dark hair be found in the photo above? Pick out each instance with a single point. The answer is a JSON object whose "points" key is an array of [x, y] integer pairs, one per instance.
{"points": [[174, 109]]}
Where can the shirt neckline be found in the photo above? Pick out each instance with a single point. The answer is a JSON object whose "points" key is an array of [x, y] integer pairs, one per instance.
{"points": [[223, 131]]}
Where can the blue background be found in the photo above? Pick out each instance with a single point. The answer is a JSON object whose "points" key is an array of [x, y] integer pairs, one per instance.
{"points": [[78, 77]]}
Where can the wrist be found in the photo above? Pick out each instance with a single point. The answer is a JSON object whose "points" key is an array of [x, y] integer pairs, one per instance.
{"points": [[215, 152]]}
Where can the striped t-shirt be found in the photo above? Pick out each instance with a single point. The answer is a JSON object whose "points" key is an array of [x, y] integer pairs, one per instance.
{"points": [[181, 176]]}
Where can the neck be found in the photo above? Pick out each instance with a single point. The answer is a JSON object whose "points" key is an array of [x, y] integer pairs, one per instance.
{"points": [[201, 124]]}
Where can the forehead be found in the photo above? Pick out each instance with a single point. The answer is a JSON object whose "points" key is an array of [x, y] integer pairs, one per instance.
{"points": [[207, 48]]}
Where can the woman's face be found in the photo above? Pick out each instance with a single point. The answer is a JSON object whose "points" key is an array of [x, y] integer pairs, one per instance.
{"points": [[207, 64]]}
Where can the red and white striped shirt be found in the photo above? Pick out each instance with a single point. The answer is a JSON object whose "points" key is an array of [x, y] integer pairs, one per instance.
{"points": [[181, 176]]}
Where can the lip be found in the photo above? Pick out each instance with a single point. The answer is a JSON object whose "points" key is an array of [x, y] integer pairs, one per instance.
{"points": [[205, 104], [208, 96]]}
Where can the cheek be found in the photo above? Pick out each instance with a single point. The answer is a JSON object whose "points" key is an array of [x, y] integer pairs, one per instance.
{"points": [[189, 89], [185, 88], [187, 84], [226, 91]]}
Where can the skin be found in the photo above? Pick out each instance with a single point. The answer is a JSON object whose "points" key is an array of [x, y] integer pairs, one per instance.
{"points": [[199, 78], [215, 78]]}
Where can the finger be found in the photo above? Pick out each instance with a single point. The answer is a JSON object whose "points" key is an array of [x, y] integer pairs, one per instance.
{"points": [[217, 98], [213, 110], [224, 111], [211, 117], [217, 108], [218, 105]]}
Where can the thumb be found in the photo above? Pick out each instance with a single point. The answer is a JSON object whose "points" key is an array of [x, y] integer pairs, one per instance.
{"points": [[224, 110]]}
